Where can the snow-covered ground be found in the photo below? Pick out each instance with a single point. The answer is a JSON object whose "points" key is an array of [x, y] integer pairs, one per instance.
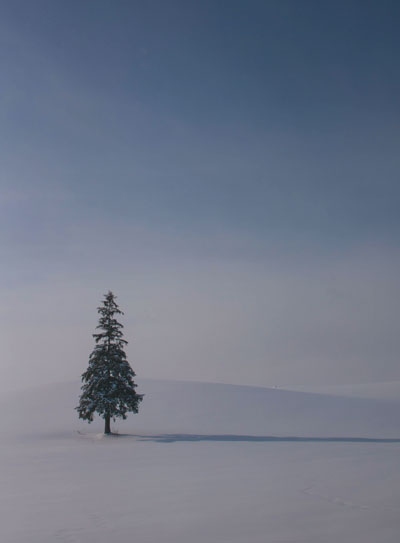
{"points": [[203, 463]]}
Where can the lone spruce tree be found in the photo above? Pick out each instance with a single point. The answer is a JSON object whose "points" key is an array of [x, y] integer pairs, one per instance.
{"points": [[108, 386]]}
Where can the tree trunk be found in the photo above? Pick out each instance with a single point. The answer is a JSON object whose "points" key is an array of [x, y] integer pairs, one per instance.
{"points": [[107, 426]]}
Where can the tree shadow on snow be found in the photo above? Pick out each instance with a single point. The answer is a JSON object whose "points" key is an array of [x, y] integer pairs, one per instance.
{"points": [[174, 438]]}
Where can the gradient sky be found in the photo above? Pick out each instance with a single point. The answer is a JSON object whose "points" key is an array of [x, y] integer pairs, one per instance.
{"points": [[230, 169]]}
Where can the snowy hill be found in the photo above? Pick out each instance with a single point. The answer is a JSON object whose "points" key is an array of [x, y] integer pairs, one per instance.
{"points": [[212, 408], [385, 391], [203, 463]]}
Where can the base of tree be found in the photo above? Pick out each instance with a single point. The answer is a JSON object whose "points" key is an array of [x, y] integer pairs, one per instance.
{"points": [[107, 424]]}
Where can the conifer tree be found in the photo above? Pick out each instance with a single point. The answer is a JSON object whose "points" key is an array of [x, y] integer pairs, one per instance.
{"points": [[108, 386]]}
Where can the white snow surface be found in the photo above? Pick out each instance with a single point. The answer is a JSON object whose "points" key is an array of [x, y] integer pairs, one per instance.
{"points": [[202, 463]]}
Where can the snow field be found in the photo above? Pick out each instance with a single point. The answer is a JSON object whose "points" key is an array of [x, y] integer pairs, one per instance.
{"points": [[198, 465]]}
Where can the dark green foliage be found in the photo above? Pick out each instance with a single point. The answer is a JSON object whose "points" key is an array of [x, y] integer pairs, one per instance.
{"points": [[108, 386]]}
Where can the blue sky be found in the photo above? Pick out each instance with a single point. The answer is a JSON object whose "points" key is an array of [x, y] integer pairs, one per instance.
{"points": [[229, 169]]}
